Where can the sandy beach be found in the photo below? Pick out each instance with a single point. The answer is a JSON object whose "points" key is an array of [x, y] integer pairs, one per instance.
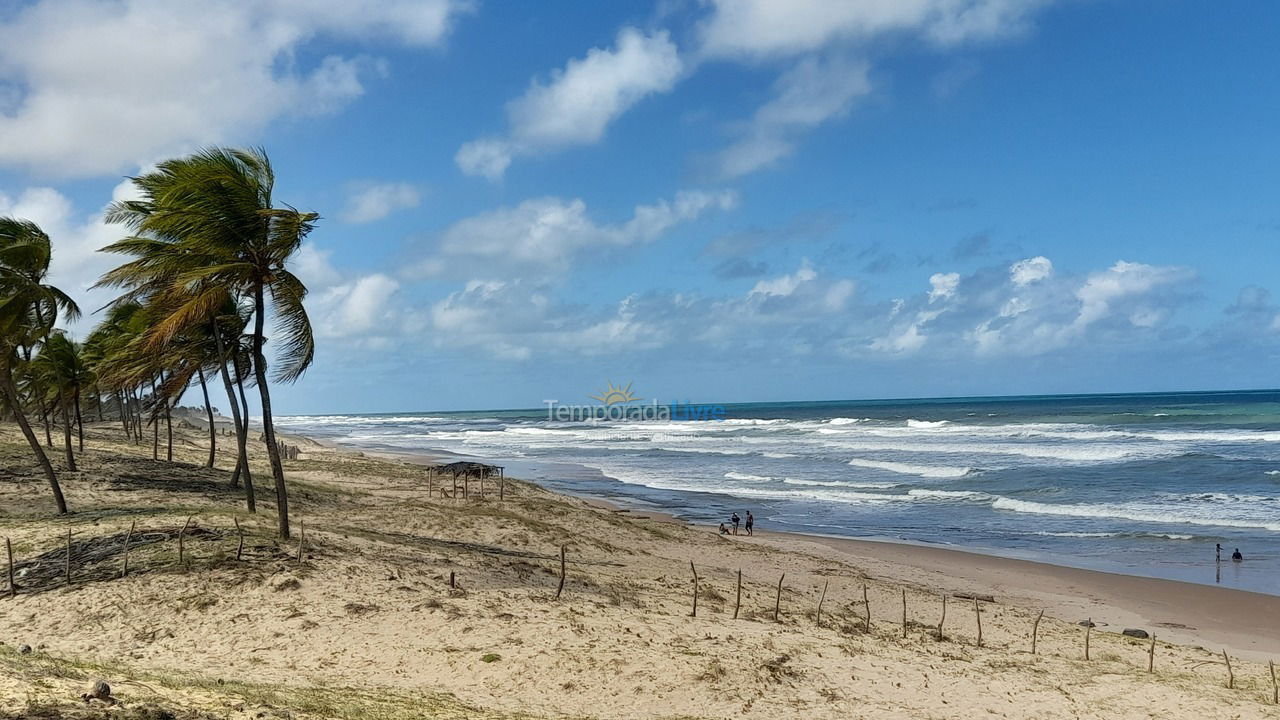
{"points": [[368, 623]]}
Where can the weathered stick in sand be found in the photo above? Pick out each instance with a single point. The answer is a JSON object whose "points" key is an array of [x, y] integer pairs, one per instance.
{"points": [[560, 589], [302, 539], [777, 601], [68, 556], [904, 613], [1035, 632], [1088, 630], [695, 590], [453, 580], [1151, 654], [1275, 689], [240, 545], [124, 561], [13, 587], [866, 606], [1231, 677], [181, 534], [977, 613], [818, 617], [943, 619], [737, 604]]}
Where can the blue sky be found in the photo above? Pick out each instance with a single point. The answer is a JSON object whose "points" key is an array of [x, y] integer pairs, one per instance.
{"points": [[722, 200]]}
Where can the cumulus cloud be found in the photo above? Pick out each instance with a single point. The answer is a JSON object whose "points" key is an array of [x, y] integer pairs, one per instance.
{"points": [[368, 202], [1025, 272], [94, 87], [577, 104], [353, 308], [544, 235]]}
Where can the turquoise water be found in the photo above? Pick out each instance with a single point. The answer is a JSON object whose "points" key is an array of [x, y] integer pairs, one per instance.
{"points": [[1144, 484]]}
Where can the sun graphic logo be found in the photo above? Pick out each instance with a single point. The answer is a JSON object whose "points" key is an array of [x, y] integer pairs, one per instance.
{"points": [[616, 395]]}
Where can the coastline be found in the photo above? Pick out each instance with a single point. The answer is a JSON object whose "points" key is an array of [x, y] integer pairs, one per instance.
{"points": [[1182, 612]]}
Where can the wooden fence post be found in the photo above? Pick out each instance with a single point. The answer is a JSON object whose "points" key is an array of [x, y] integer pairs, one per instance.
{"points": [[1088, 630], [943, 619], [181, 534], [1151, 654], [737, 604], [777, 602], [695, 590], [124, 562], [1035, 632], [1231, 676], [302, 539], [904, 613], [560, 589], [13, 587], [866, 606], [239, 532], [68, 556], [1275, 689], [977, 613], [818, 617]]}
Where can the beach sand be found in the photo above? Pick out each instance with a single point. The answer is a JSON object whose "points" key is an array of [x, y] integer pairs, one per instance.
{"points": [[367, 624]]}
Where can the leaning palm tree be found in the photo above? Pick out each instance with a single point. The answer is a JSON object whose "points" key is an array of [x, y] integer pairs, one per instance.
{"points": [[205, 230], [27, 302]]}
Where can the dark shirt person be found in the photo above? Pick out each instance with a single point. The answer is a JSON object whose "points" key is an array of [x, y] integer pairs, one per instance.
{"points": [[1236, 556], [735, 520], [750, 522]]}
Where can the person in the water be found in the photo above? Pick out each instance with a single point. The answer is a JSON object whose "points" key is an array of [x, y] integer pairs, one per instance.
{"points": [[1236, 556]]}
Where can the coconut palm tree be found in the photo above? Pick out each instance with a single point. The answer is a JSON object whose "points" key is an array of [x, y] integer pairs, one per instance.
{"points": [[63, 372], [27, 303], [206, 228]]}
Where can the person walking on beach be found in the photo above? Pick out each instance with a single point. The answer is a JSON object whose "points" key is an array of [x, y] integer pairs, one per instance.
{"points": [[750, 521], [735, 520]]}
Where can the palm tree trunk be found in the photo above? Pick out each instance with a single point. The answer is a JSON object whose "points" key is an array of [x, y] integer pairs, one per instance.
{"points": [[44, 417], [242, 431], [79, 419], [208, 409], [97, 400], [243, 405], [124, 418], [66, 432], [168, 428], [10, 392], [268, 428]]}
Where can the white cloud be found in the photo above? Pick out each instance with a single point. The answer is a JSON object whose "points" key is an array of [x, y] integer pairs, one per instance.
{"points": [[578, 103], [1025, 272], [769, 28], [943, 285], [351, 308], [1120, 285], [786, 284], [544, 235], [96, 87], [370, 202], [811, 93]]}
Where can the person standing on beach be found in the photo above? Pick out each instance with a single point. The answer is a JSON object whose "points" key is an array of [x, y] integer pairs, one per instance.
{"points": [[1218, 555], [750, 521], [735, 520]]}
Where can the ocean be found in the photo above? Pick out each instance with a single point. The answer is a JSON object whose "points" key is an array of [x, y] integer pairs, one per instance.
{"points": [[1142, 484]]}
